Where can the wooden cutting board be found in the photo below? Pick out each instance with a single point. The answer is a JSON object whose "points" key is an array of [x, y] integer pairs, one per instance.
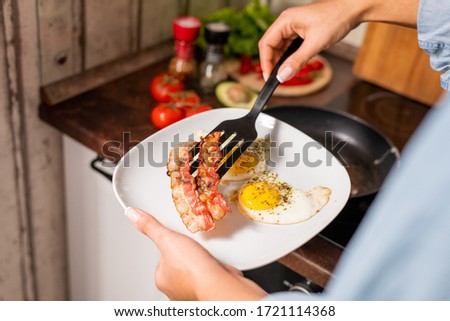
{"points": [[390, 57]]}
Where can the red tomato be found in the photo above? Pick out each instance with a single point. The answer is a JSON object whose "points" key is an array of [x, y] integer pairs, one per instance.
{"points": [[305, 71], [316, 65], [295, 81], [246, 64], [163, 85], [163, 115], [257, 68], [183, 99], [197, 109]]}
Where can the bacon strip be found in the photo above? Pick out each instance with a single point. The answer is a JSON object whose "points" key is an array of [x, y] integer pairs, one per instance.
{"points": [[198, 200], [207, 178], [193, 212]]}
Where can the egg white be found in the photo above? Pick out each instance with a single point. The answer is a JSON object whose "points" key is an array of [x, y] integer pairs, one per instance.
{"points": [[295, 205], [245, 170]]}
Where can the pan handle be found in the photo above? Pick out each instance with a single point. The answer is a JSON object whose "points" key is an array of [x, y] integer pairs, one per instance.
{"points": [[96, 166]]}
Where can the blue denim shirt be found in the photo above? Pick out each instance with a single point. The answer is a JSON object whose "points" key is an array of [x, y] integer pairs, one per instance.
{"points": [[433, 25], [401, 249]]}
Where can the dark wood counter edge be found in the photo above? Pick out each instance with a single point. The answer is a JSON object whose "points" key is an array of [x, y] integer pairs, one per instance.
{"points": [[315, 260]]}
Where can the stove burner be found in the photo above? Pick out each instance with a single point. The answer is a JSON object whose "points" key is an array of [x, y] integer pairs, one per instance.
{"points": [[396, 116]]}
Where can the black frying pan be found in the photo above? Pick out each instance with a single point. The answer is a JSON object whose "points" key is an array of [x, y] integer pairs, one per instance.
{"points": [[367, 152]]}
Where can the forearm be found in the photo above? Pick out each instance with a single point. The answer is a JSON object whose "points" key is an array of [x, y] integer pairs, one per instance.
{"points": [[402, 12]]}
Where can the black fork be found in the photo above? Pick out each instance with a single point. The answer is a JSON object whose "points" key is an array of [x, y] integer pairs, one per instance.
{"points": [[239, 134]]}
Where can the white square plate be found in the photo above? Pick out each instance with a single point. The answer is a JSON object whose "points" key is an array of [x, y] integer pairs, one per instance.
{"points": [[140, 180]]}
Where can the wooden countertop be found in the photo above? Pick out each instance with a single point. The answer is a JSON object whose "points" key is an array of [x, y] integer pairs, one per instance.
{"points": [[116, 116], [105, 113]]}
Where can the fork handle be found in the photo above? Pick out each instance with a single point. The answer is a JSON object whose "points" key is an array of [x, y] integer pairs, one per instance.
{"points": [[272, 82]]}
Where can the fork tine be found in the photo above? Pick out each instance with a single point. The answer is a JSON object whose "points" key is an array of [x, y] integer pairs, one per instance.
{"points": [[229, 149], [225, 139], [229, 160], [195, 150]]}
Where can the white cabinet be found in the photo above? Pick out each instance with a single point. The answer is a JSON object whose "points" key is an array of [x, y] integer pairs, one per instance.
{"points": [[108, 258]]}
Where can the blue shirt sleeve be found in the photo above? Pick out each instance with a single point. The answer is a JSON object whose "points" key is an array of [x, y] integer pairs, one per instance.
{"points": [[401, 249], [433, 26]]}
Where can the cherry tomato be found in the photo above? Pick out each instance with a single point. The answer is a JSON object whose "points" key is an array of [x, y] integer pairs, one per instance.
{"points": [[305, 71], [246, 64], [316, 65], [197, 109], [163, 115], [163, 85], [296, 81], [186, 98], [257, 68]]}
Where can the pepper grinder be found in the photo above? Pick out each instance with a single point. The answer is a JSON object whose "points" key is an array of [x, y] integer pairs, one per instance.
{"points": [[211, 69]]}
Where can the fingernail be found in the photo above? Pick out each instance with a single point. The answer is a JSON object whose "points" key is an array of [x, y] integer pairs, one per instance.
{"points": [[285, 74], [265, 76], [132, 215]]}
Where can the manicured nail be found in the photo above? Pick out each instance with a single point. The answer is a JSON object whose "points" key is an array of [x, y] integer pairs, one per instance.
{"points": [[285, 74], [132, 215]]}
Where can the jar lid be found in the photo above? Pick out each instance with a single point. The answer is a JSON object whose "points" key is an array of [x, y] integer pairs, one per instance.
{"points": [[186, 28], [217, 32]]}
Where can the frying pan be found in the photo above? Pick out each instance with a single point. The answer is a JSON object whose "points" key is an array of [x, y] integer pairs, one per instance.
{"points": [[367, 154]]}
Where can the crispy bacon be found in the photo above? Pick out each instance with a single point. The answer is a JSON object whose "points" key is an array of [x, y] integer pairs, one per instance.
{"points": [[207, 178], [193, 211], [198, 200]]}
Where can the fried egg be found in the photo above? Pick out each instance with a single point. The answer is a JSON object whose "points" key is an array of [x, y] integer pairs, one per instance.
{"points": [[267, 199], [251, 162]]}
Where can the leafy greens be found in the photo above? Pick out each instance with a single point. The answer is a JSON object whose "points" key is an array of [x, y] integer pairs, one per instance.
{"points": [[247, 27]]}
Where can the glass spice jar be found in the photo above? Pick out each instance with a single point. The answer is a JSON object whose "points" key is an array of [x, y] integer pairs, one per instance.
{"points": [[185, 30]]}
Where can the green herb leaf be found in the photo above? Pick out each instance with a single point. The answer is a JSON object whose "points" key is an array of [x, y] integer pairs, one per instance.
{"points": [[247, 27]]}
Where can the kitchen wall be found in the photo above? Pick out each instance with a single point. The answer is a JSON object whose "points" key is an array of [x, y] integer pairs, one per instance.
{"points": [[78, 35], [32, 243], [74, 37], [43, 42]]}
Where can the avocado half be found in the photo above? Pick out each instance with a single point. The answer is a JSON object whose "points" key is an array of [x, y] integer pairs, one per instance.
{"points": [[234, 94]]}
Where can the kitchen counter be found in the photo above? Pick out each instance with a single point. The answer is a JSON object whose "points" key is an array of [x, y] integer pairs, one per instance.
{"points": [[104, 114], [112, 118]]}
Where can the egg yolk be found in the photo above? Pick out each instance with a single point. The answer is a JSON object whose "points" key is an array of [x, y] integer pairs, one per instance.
{"points": [[245, 163], [260, 196]]}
